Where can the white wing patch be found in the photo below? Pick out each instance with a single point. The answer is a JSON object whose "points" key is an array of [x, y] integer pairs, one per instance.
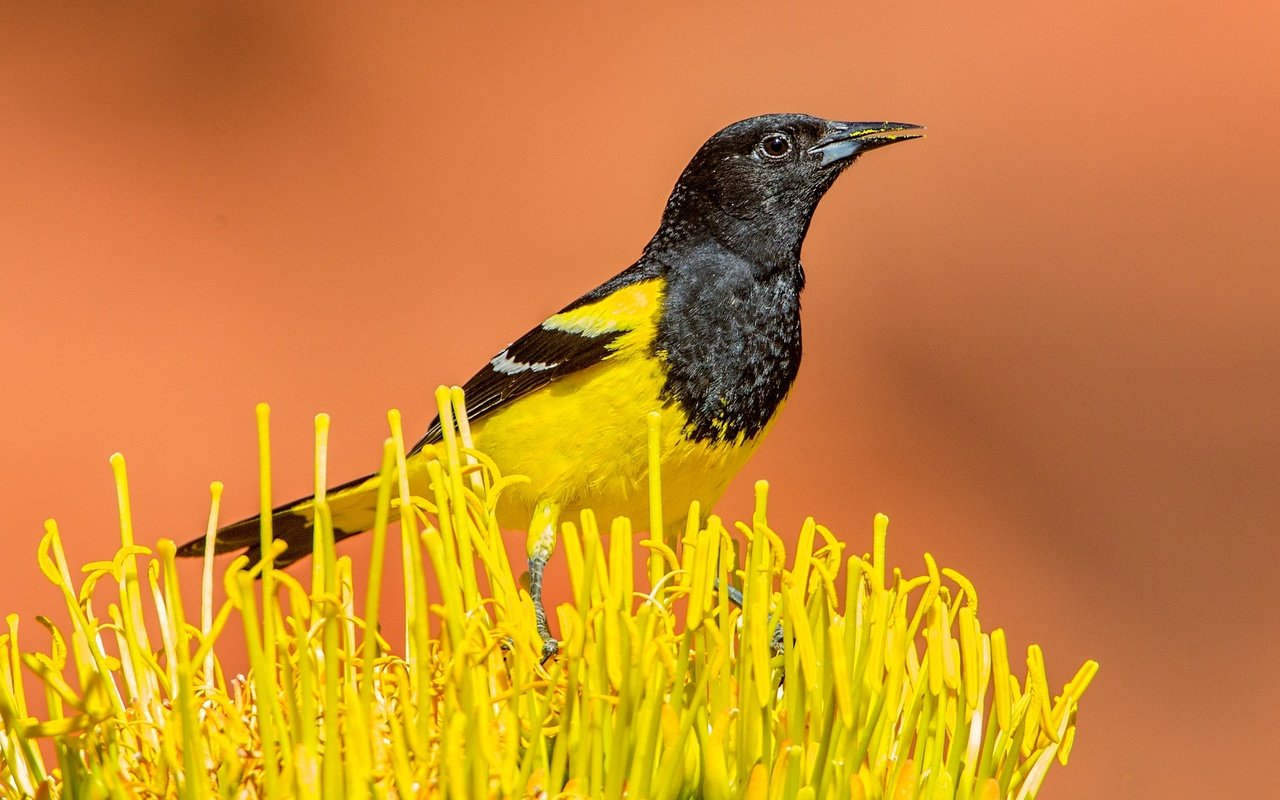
{"points": [[581, 324], [504, 363]]}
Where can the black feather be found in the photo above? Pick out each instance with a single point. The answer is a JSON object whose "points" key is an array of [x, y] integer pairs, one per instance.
{"points": [[288, 526]]}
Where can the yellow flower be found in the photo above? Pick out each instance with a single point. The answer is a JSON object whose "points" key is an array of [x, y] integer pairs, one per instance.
{"points": [[834, 677]]}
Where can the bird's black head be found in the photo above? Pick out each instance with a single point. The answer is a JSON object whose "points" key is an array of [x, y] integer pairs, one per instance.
{"points": [[754, 186]]}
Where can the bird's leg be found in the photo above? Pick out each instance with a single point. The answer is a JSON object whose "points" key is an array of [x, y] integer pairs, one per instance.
{"points": [[777, 642], [542, 541]]}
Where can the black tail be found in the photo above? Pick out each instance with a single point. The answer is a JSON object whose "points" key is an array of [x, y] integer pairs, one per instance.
{"points": [[352, 506]]}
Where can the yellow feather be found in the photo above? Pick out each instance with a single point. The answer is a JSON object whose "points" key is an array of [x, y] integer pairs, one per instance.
{"points": [[628, 308]]}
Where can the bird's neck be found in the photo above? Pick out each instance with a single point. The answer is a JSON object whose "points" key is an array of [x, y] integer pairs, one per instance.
{"points": [[769, 240]]}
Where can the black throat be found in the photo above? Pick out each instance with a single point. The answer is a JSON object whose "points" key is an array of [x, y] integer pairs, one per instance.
{"points": [[729, 335]]}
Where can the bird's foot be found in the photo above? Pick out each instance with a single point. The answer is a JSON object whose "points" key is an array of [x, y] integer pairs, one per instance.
{"points": [[777, 642]]}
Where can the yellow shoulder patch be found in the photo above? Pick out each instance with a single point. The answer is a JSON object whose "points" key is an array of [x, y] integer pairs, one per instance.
{"points": [[626, 309]]}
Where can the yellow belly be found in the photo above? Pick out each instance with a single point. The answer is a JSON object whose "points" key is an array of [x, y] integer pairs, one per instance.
{"points": [[583, 443]]}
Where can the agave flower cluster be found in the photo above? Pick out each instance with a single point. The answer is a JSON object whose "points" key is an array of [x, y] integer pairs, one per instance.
{"points": [[834, 676]]}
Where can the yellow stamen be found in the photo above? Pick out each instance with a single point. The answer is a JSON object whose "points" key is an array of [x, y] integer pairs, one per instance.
{"points": [[885, 688]]}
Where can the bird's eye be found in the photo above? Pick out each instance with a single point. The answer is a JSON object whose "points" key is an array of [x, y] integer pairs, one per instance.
{"points": [[775, 145]]}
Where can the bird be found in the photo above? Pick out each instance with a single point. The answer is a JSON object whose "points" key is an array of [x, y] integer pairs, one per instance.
{"points": [[704, 328]]}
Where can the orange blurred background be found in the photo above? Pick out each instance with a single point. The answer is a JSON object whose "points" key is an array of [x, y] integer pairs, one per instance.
{"points": [[1043, 340]]}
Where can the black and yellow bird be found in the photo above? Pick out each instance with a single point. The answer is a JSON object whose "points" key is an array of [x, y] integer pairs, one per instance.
{"points": [[704, 327]]}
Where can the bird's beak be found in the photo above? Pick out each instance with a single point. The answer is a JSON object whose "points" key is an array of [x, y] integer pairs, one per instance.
{"points": [[844, 140]]}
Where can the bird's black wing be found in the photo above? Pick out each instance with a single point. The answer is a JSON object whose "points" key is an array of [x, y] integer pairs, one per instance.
{"points": [[540, 357]]}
